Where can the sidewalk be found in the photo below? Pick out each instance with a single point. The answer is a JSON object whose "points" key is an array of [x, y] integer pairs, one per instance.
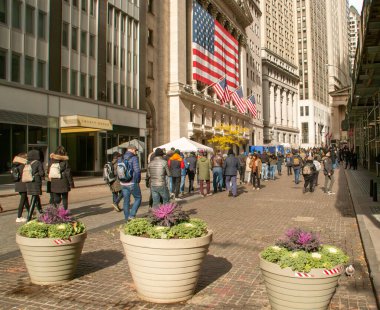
{"points": [[368, 218]]}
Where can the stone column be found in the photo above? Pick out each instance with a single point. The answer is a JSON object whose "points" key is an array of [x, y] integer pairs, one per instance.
{"points": [[272, 98]]}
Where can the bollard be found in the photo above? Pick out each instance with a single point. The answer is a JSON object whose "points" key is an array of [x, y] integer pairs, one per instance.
{"points": [[375, 191], [371, 188]]}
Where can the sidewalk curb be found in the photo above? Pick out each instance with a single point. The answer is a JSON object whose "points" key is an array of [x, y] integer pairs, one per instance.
{"points": [[369, 250]]}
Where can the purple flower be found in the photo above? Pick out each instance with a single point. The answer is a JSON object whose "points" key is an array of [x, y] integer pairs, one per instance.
{"points": [[53, 215], [164, 210], [304, 237], [168, 214], [296, 239]]}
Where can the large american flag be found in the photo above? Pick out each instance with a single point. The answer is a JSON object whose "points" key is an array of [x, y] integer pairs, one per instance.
{"points": [[215, 50], [237, 98], [221, 89], [251, 104]]}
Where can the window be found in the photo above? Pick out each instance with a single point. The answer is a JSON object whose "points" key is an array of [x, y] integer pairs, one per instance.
{"points": [[41, 74], [129, 100], [150, 37], [92, 7], [115, 55], [29, 19], [109, 15], [116, 20], [135, 64], [129, 62], [135, 98], [301, 111], [108, 91], [150, 6], [75, 3], [41, 24], [64, 80], [305, 132], [3, 11], [122, 58], [122, 23], [3, 65], [150, 70], [109, 52], [122, 95], [91, 87], [15, 68], [83, 42], [84, 5], [115, 101], [73, 83], [28, 71], [306, 111], [65, 34], [16, 14], [74, 38], [92, 45], [83, 85]]}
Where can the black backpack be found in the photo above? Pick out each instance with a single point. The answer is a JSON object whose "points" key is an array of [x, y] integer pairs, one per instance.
{"points": [[15, 174], [109, 175]]}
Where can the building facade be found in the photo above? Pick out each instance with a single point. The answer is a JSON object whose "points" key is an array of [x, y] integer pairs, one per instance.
{"points": [[69, 74], [280, 73], [177, 105], [353, 33]]}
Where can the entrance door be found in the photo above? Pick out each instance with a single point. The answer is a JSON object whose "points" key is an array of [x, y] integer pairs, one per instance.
{"points": [[85, 153]]}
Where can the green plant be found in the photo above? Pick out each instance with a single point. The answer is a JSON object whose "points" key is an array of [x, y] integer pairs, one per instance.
{"points": [[53, 223], [303, 260], [169, 222]]}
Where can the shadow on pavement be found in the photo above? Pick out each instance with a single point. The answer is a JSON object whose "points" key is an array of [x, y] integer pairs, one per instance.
{"points": [[90, 210], [212, 269], [94, 261]]}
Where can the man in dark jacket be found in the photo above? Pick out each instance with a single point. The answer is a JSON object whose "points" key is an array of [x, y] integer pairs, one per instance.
{"points": [[308, 172], [230, 168], [132, 187], [190, 165], [157, 172], [176, 164], [297, 163], [329, 174], [242, 161]]}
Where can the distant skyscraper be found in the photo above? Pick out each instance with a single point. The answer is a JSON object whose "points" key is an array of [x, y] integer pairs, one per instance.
{"points": [[353, 30]]}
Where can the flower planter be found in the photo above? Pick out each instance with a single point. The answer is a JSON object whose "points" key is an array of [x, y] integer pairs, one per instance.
{"points": [[289, 289], [165, 270], [51, 261]]}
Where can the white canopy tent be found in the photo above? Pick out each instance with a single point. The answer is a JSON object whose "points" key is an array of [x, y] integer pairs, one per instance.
{"points": [[119, 148], [185, 145]]}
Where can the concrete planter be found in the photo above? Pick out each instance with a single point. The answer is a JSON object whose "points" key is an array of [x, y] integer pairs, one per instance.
{"points": [[51, 261], [165, 270], [289, 289]]}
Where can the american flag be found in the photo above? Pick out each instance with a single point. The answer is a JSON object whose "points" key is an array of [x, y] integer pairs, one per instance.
{"points": [[237, 98], [215, 50], [251, 104], [221, 89]]}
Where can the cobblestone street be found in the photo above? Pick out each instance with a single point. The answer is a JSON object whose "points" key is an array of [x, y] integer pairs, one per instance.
{"points": [[230, 277]]}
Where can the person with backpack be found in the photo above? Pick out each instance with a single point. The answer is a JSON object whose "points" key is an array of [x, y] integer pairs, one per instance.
{"points": [[297, 164], [20, 187], [32, 175], [110, 176], [318, 167], [289, 163], [129, 174], [175, 165], [231, 167], [329, 174], [191, 164], [308, 171], [60, 176], [217, 172]]}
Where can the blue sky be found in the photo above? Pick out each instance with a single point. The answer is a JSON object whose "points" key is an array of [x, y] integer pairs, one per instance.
{"points": [[357, 4]]}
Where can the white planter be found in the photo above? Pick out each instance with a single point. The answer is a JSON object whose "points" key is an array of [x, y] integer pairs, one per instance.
{"points": [[49, 260], [165, 270], [289, 289]]}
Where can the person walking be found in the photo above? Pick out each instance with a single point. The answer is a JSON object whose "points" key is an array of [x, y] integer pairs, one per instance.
{"points": [[131, 187], [280, 160], [203, 170], [248, 169], [34, 187], [256, 168], [217, 172], [157, 172], [242, 161], [297, 164], [191, 165], [329, 174], [176, 164], [289, 163], [318, 167], [20, 187], [265, 165], [272, 166], [308, 172], [183, 177], [115, 187], [231, 167], [60, 176]]}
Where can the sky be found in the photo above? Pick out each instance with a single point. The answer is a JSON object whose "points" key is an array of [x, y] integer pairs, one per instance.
{"points": [[357, 4]]}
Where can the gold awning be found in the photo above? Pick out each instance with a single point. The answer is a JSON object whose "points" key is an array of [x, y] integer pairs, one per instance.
{"points": [[79, 123]]}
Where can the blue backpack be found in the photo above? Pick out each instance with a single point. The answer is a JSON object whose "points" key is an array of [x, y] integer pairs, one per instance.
{"points": [[124, 171]]}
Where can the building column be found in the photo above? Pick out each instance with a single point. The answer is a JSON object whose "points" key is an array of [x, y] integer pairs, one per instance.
{"points": [[295, 111], [288, 111], [272, 98]]}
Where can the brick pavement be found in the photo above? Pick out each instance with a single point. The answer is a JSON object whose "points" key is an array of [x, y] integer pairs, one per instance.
{"points": [[230, 277]]}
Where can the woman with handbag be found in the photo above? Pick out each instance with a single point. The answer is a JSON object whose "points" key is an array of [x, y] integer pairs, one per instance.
{"points": [[17, 167]]}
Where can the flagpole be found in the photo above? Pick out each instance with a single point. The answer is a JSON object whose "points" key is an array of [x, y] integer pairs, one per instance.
{"points": [[214, 83]]}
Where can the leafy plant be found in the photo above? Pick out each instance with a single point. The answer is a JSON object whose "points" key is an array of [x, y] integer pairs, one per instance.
{"points": [[137, 227], [191, 229], [301, 251], [53, 223]]}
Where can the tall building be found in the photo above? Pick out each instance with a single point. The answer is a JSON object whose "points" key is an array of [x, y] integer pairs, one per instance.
{"points": [[354, 31], [179, 101], [280, 72], [69, 74]]}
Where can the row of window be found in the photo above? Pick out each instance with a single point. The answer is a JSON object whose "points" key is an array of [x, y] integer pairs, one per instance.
{"points": [[74, 39], [306, 111], [84, 5], [34, 69], [31, 15]]}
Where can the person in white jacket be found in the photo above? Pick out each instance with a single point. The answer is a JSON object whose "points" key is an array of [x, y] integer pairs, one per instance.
{"points": [[318, 167], [248, 169]]}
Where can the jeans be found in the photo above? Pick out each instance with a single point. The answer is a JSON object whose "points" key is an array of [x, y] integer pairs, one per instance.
{"points": [[272, 170], [296, 174], [329, 181], [176, 184], [159, 193], [64, 197], [255, 180], [241, 173], [231, 178], [289, 170], [117, 197], [35, 201], [279, 168], [217, 175], [191, 175], [134, 190], [264, 171], [182, 186]]}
